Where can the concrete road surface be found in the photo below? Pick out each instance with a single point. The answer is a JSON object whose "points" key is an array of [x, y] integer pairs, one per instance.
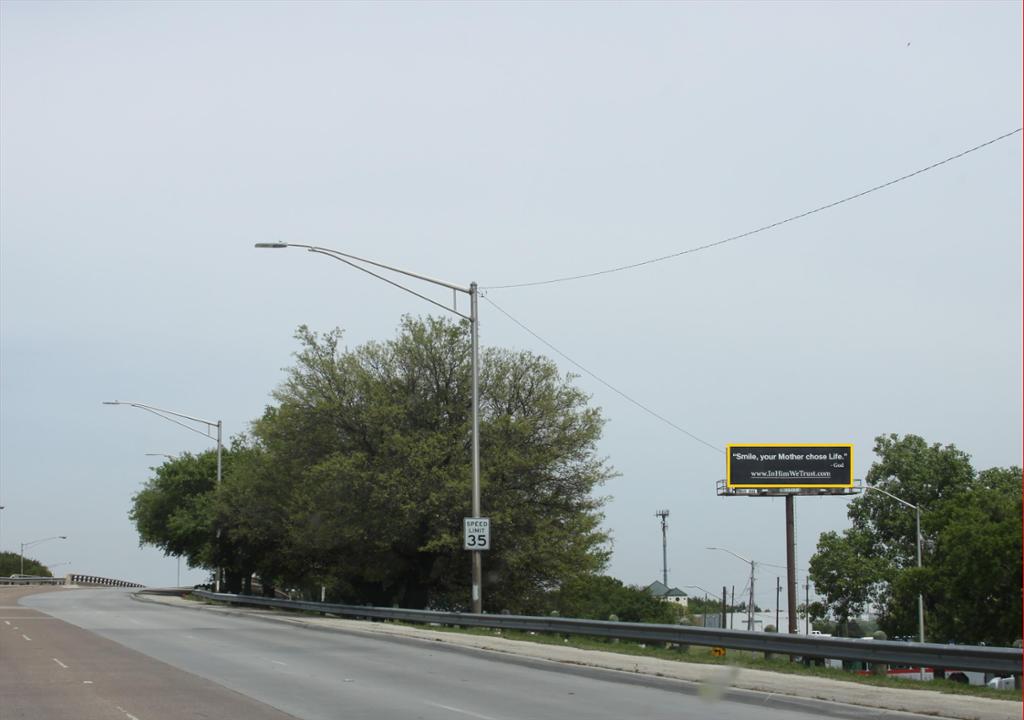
{"points": [[314, 674]]}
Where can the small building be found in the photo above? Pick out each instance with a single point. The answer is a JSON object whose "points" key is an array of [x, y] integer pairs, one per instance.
{"points": [[664, 592]]}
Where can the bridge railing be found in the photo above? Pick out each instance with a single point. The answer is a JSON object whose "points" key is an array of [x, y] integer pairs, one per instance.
{"points": [[96, 581], [1005, 661]]}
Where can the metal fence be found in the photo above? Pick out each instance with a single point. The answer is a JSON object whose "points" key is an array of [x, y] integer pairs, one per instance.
{"points": [[1004, 661]]}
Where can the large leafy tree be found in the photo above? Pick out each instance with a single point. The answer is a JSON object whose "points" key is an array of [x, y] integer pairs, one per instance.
{"points": [[358, 476], [969, 521]]}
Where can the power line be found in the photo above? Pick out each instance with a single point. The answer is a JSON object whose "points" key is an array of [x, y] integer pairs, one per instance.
{"points": [[604, 382], [761, 229]]}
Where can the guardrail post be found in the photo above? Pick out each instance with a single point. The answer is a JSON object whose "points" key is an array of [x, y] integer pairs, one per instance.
{"points": [[880, 668], [770, 629]]}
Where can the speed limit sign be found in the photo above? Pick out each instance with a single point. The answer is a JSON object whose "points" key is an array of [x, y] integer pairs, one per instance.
{"points": [[476, 533]]}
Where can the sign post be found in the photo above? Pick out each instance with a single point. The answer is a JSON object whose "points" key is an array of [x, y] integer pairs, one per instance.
{"points": [[476, 533]]}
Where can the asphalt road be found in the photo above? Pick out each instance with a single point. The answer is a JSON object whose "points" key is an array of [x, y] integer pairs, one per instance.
{"points": [[50, 670], [315, 674]]}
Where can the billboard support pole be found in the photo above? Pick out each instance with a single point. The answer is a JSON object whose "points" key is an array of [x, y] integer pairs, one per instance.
{"points": [[791, 563], [724, 626]]}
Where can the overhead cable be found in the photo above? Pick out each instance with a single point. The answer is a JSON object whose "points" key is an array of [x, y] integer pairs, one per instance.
{"points": [[604, 382], [761, 229]]}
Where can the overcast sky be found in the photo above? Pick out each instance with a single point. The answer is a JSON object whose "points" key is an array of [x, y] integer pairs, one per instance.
{"points": [[145, 147]]}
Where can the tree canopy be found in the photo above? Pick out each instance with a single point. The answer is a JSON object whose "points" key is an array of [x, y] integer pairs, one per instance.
{"points": [[971, 547], [357, 477], [10, 564]]}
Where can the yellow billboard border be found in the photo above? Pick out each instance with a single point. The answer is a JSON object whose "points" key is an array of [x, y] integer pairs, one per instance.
{"points": [[728, 465]]}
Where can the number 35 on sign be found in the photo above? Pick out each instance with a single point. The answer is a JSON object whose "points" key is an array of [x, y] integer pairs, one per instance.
{"points": [[476, 533]]}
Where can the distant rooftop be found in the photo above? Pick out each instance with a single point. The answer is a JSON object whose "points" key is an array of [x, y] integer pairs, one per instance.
{"points": [[660, 590]]}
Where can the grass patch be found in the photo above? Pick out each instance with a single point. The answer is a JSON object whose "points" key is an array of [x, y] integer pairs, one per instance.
{"points": [[739, 658]]}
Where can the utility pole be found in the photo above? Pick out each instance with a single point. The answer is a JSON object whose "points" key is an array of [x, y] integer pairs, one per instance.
{"points": [[778, 591], [807, 606], [732, 605], [750, 603], [663, 514]]}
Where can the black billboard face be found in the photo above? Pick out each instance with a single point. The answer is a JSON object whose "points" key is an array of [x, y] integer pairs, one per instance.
{"points": [[789, 466]]}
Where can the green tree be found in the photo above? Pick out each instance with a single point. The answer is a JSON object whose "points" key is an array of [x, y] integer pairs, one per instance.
{"points": [[369, 454], [973, 573], [176, 511], [10, 564], [596, 597], [969, 521], [846, 570]]}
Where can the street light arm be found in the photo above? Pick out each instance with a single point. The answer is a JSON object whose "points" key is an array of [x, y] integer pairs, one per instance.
{"points": [[899, 500], [36, 542], [329, 251], [704, 590], [342, 258], [749, 562], [164, 413]]}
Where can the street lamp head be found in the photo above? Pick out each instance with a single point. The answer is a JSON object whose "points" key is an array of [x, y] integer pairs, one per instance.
{"points": [[111, 402], [271, 245], [62, 537]]}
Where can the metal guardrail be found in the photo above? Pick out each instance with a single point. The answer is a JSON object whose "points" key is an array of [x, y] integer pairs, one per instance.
{"points": [[1006, 661], [31, 581]]}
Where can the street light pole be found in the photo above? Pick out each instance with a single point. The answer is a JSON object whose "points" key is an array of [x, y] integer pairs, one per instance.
{"points": [[750, 602], [474, 328], [917, 510], [37, 542], [169, 415]]}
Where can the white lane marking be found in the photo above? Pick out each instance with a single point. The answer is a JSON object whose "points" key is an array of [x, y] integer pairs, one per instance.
{"points": [[26, 637], [87, 682], [126, 713], [60, 663], [191, 637], [278, 662], [7, 622], [455, 709], [134, 621]]}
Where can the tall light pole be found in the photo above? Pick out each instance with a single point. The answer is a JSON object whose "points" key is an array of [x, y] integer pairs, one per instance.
{"points": [[917, 510], [170, 416], [37, 542], [473, 317], [750, 602]]}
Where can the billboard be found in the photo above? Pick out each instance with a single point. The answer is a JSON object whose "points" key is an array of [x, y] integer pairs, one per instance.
{"points": [[789, 465]]}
